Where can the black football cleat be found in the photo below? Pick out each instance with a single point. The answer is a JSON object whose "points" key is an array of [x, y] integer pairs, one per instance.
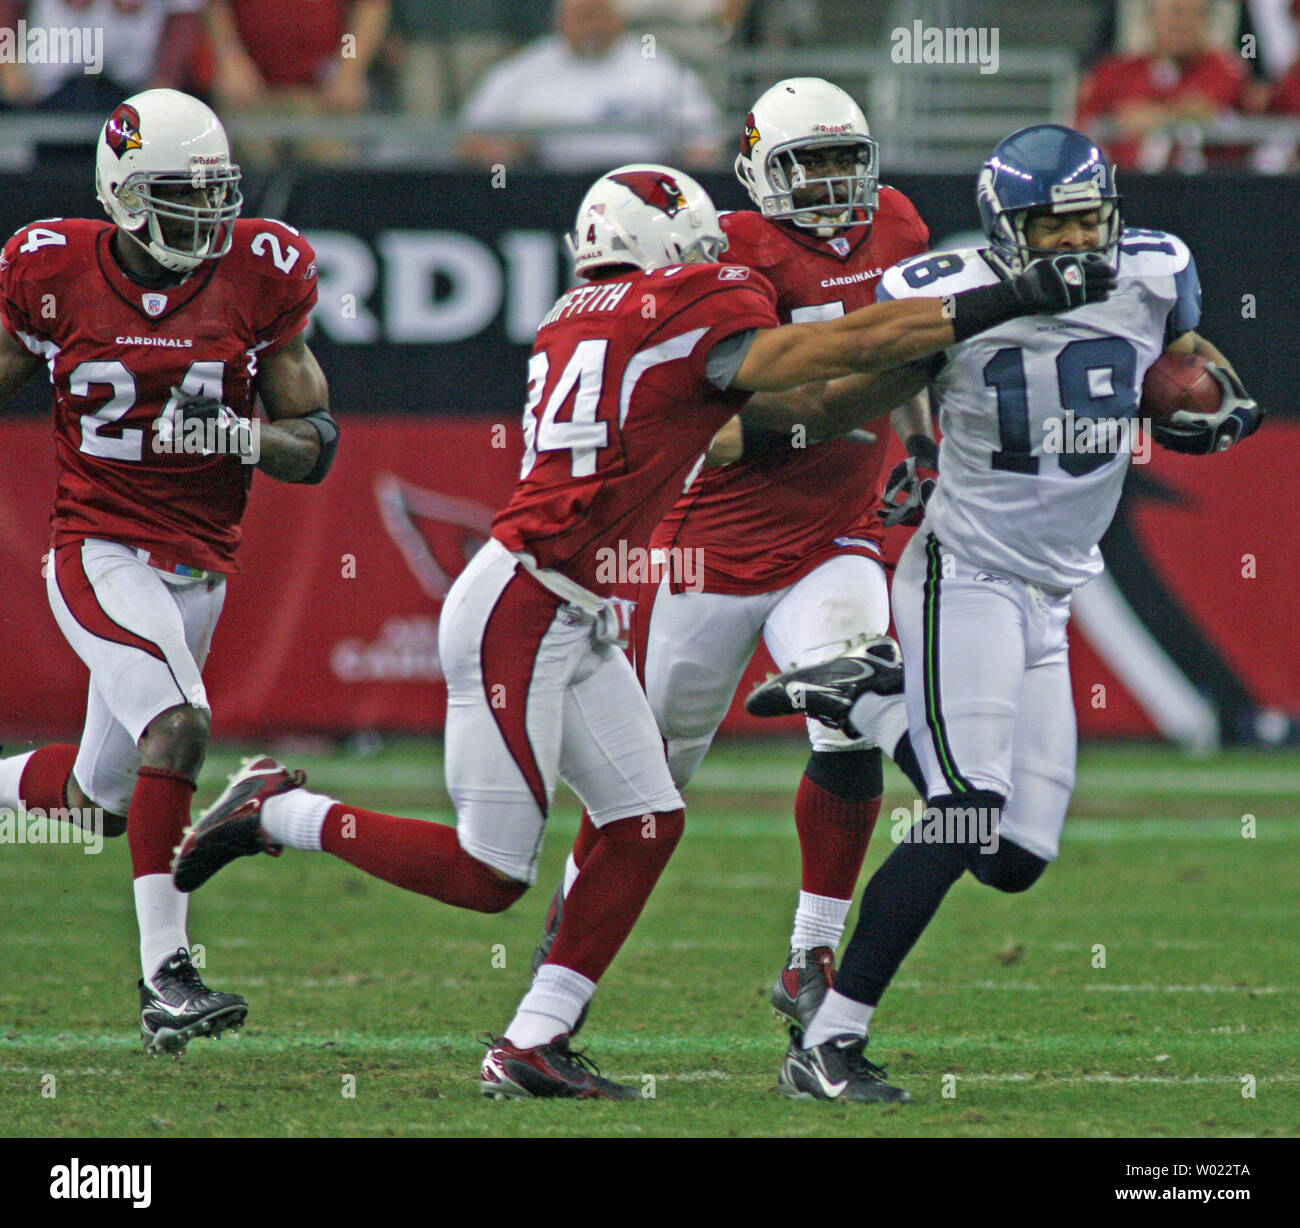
{"points": [[232, 826], [836, 1070], [546, 1072], [802, 985], [176, 1006], [826, 691]]}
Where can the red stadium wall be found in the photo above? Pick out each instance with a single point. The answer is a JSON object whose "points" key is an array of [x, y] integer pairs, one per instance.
{"points": [[332, 624]]}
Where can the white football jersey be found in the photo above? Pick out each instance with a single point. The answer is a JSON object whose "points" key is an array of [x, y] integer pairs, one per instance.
{"points": [[1037, 413]]}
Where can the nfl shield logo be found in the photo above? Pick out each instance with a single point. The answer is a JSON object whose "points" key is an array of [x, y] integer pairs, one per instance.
{"points": [[840, 246], [155, 304]]}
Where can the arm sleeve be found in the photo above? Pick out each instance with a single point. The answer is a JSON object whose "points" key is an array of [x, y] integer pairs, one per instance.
{"points": [[726, 358], [724, 309], [1185, 314]]}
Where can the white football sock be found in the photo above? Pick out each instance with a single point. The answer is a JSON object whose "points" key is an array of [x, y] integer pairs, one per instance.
{"points": [[295, 818], [882, 718], [570, 873], [161, 911], [819, 921], [551, 1007], [837, 1016], [11, 774]]}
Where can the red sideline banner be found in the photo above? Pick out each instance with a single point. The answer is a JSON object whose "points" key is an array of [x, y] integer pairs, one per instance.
{"points": [[332, 623]]}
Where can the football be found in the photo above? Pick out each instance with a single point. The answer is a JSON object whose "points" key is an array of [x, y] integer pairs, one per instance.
{"points": [[1179, 382]]}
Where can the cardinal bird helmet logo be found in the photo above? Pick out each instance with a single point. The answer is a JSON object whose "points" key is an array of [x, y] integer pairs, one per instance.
{"points": [[656, 189], [750, 137], [123, 130]]}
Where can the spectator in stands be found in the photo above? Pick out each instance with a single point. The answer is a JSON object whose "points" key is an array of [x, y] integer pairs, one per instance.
{"points": [[145, 45], [283, 57], [1282, 153], [591, 72], [1182, 79], [437, 50], [690, 28]]}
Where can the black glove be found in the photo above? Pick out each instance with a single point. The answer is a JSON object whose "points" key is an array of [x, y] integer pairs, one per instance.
{"points": [[1200, 434], [911, 483], [1061, 283], [224, 432], [1049, 285]]}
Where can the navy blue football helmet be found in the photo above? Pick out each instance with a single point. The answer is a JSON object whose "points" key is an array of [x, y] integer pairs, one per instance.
{"points": [[1044, 167]]}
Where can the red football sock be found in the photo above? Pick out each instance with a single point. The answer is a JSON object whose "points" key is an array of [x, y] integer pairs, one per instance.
{"points": [[586, 840], [44, 781], [833, 836], [607, 897], [419, 856], [157, 818]]}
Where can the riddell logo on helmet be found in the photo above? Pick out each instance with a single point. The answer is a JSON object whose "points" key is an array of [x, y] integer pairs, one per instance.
{"points": [[122, 132], [832, 127], [659, 191]]}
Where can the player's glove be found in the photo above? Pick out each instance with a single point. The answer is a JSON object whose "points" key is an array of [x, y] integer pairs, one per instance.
{"points": [[911, 483], [224, 432], [1200, 434], [1049, 285], [1061, 283]]}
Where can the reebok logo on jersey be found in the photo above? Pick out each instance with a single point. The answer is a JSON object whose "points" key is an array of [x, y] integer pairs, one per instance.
{"points": [[733, 272], [991, 578]]}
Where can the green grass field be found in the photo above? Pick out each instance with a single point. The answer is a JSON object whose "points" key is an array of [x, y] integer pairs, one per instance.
{"points": [[1189, 1029]]}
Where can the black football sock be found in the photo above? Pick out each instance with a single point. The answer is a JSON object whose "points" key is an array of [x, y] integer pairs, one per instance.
{"points": [[905, 757], [897, 905]]}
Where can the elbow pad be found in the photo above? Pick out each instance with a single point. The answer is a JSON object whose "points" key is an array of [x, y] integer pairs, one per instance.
{"points": [[328, 430]]}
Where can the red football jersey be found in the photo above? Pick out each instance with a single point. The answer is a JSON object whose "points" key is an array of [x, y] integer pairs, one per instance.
{"points": [[115, 349], [766, 521], [619, 411]]}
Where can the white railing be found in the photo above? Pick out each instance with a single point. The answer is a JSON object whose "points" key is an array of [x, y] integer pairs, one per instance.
{"points": [[927, 117]]}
